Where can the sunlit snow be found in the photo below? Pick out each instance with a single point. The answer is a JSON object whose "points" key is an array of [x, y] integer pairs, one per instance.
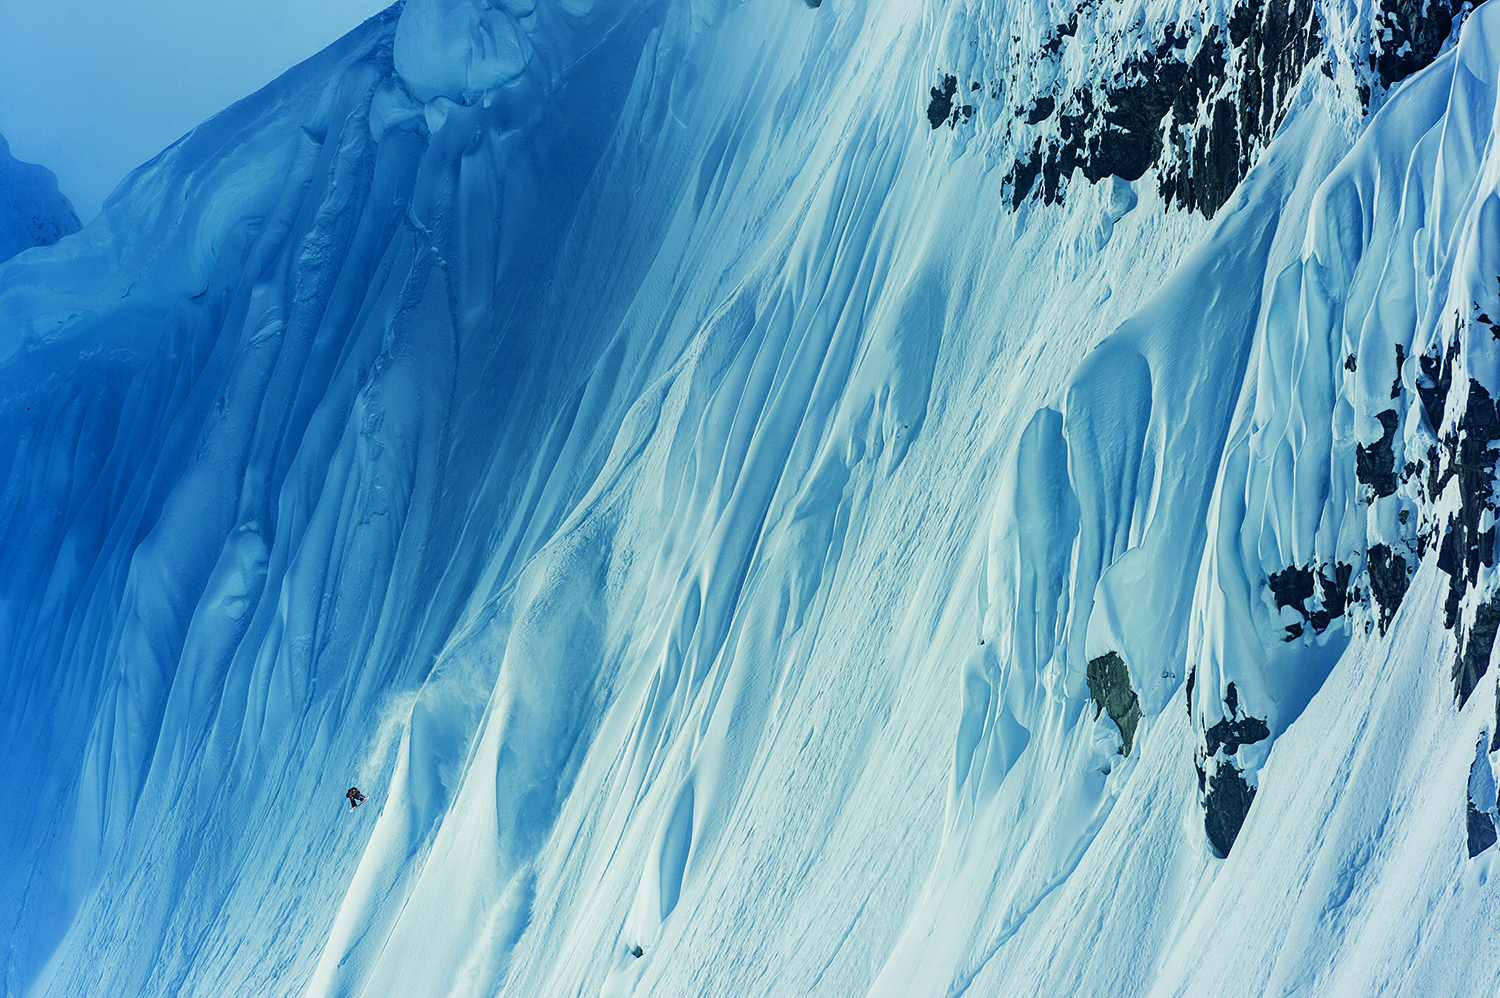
{"points": [[736, 551]]}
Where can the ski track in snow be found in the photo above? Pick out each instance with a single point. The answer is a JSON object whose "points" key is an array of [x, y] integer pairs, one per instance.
{"points": [[662, 472]]}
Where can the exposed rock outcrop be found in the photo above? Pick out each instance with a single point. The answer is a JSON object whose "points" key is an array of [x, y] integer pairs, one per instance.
{"points": [[1197, 102], [1109, 686]]}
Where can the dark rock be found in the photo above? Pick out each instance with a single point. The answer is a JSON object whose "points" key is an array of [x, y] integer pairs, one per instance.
{"points": [[1334, 597], [1225, 806], [1478, 430], [1450, 559], [1409, 36], [1109, 686], [1481, 831], [1041, 110], [1230, 735], [1270, 44], [1388, 582], [1055, 39], [1022, 176], [1484, 320], [1432, 464], [941, 106], [1318, 597], [1434, 383], [1222, 788], [1201, 122], [943, 109], [1375, 465], [1214, 159], [1292, 586], [1468, 456], [1400, 360], [1128, 139], [1473, 657]]}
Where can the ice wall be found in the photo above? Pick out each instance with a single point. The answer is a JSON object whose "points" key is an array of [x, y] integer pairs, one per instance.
{"points": [[739, 543]]}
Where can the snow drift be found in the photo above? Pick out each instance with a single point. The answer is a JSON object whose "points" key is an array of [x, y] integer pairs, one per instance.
{"points": [[770, 499]]}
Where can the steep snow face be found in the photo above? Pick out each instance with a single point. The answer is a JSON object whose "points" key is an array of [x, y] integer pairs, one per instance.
{"points": [[1364, 433], [741, 542], [32, 210]]}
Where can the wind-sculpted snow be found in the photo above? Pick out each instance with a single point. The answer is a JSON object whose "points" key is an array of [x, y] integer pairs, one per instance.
{"points": [[735, 551], [1333, 471], [32, 210]]}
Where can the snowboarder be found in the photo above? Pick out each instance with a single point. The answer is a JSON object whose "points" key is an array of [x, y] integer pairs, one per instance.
{"points": [[355, 797]]}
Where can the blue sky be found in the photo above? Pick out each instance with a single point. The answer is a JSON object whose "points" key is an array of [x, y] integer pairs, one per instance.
{"points": [[93, 88]]}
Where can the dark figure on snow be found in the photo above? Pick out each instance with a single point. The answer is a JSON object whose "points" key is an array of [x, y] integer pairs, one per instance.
{"points": [[355, 797]]}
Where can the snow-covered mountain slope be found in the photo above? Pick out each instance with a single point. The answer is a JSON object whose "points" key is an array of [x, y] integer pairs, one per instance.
{"points": [[744, 539], [32, 210]]}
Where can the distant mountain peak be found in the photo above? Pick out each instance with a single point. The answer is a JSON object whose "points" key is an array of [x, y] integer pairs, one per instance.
{"points": [[33, 212]]}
